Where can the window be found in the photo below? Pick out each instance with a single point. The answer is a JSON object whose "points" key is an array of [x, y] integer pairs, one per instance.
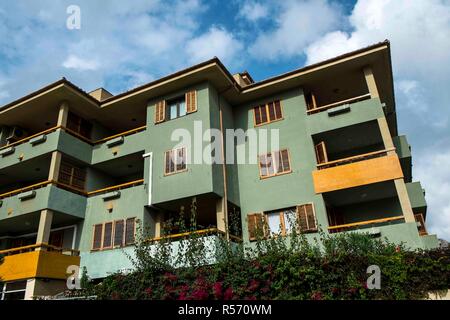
{"points": [[129, 232], [72, 175], [307, 218], [267, 113], [176, 108], [281, 222], [274, 163], [175, 161], [114, 234], [97, 242], [13, 290], [79, 125]]}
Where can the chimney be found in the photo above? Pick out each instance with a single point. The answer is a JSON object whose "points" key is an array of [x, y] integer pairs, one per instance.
{"points": [[100, 94]]}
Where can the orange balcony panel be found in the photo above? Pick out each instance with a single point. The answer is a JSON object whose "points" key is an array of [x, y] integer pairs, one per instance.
{"points": [[357, 174], [36, 264]]}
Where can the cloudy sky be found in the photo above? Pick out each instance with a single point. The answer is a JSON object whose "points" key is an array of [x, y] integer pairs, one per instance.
{"points": [[122, 44]]}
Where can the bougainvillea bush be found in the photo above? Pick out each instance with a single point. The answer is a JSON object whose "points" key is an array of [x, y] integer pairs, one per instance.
{"points": [[333, 268]]}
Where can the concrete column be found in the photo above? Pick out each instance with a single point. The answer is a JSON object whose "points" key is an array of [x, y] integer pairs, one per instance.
{"points": [[399, 183], [220, 215], [45, 225], [371, 84], [63, 114], [55, 164], [405, 203], [386, 135], [158, 224], [29, 290]]}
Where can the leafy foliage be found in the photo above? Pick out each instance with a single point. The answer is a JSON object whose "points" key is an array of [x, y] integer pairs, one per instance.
{"points": [[296, 267]]}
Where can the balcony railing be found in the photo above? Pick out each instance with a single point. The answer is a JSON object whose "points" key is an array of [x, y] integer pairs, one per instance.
{"points": [[203, 232], [71, 188], [76, 134], [345, 227], [339, 103], [360, 157], [44, 246]]}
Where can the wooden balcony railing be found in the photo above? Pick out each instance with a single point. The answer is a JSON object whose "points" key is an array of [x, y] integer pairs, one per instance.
{"points": [[209, 231], [71, 188], [76, 134], [339, 103], [360, 157], [44, 246], [344, 227]]}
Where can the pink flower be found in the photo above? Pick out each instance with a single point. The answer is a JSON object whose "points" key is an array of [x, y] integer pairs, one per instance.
{"points": [[217, 289], [317, 296], [200, 294], [228, 295], [148, 291], [254, 284]]}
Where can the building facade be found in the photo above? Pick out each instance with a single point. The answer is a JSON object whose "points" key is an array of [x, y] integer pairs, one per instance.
{"points": [[80, 171]]}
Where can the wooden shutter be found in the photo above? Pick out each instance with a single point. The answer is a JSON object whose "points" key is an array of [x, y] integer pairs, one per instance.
{"points": [[278, 112], [129, 231], [284, 160], [160, 111], [321, 153], [118, 233], [311, 101], [256, 226], [107, 235], [181, 159], [191, 101], [306, 218], [271, 109], [97, 237]]}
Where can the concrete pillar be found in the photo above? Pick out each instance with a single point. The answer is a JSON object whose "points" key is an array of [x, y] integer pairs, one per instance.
{"points": [[371, 84], [55, 164], [63, 114], [399, 183], [29, 290], [386, 135], [220, 215], [403, 197], [158, 224], [45, 225]]}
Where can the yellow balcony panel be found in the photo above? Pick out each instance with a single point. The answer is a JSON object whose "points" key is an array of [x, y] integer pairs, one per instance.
{"points": [[36, 264], [357, 174]]}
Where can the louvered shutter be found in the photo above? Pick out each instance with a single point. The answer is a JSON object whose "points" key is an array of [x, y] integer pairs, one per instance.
{"points": [[129, 231], [191, 101], [160, 111], [97, 237], [306, 218], [256, 226], [118, 233], [321, 153], [107, 235]]}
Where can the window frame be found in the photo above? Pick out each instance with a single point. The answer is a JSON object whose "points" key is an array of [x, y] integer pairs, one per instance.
{"points": [[267, 113], [169, 104], [309, 230], [113, 244], [281, 214], [275, 163], [175, 161]]}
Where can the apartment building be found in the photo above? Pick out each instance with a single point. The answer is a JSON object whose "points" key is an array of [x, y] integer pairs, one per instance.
{"points": [[80, 171]]}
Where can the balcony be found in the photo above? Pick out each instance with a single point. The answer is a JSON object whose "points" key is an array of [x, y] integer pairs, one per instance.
{"points": [[25, 262], [43, 195], [356, 171], [72, 144], [363, 224]]}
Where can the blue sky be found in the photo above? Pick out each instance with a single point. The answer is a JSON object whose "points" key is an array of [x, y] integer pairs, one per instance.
{"points": [[122, 44]]}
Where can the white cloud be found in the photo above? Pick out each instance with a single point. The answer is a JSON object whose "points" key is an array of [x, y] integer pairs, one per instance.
{"points": [[216, 42], [297, 25], [419, 32], [433, 170], [74, 62], [253, 11]]}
